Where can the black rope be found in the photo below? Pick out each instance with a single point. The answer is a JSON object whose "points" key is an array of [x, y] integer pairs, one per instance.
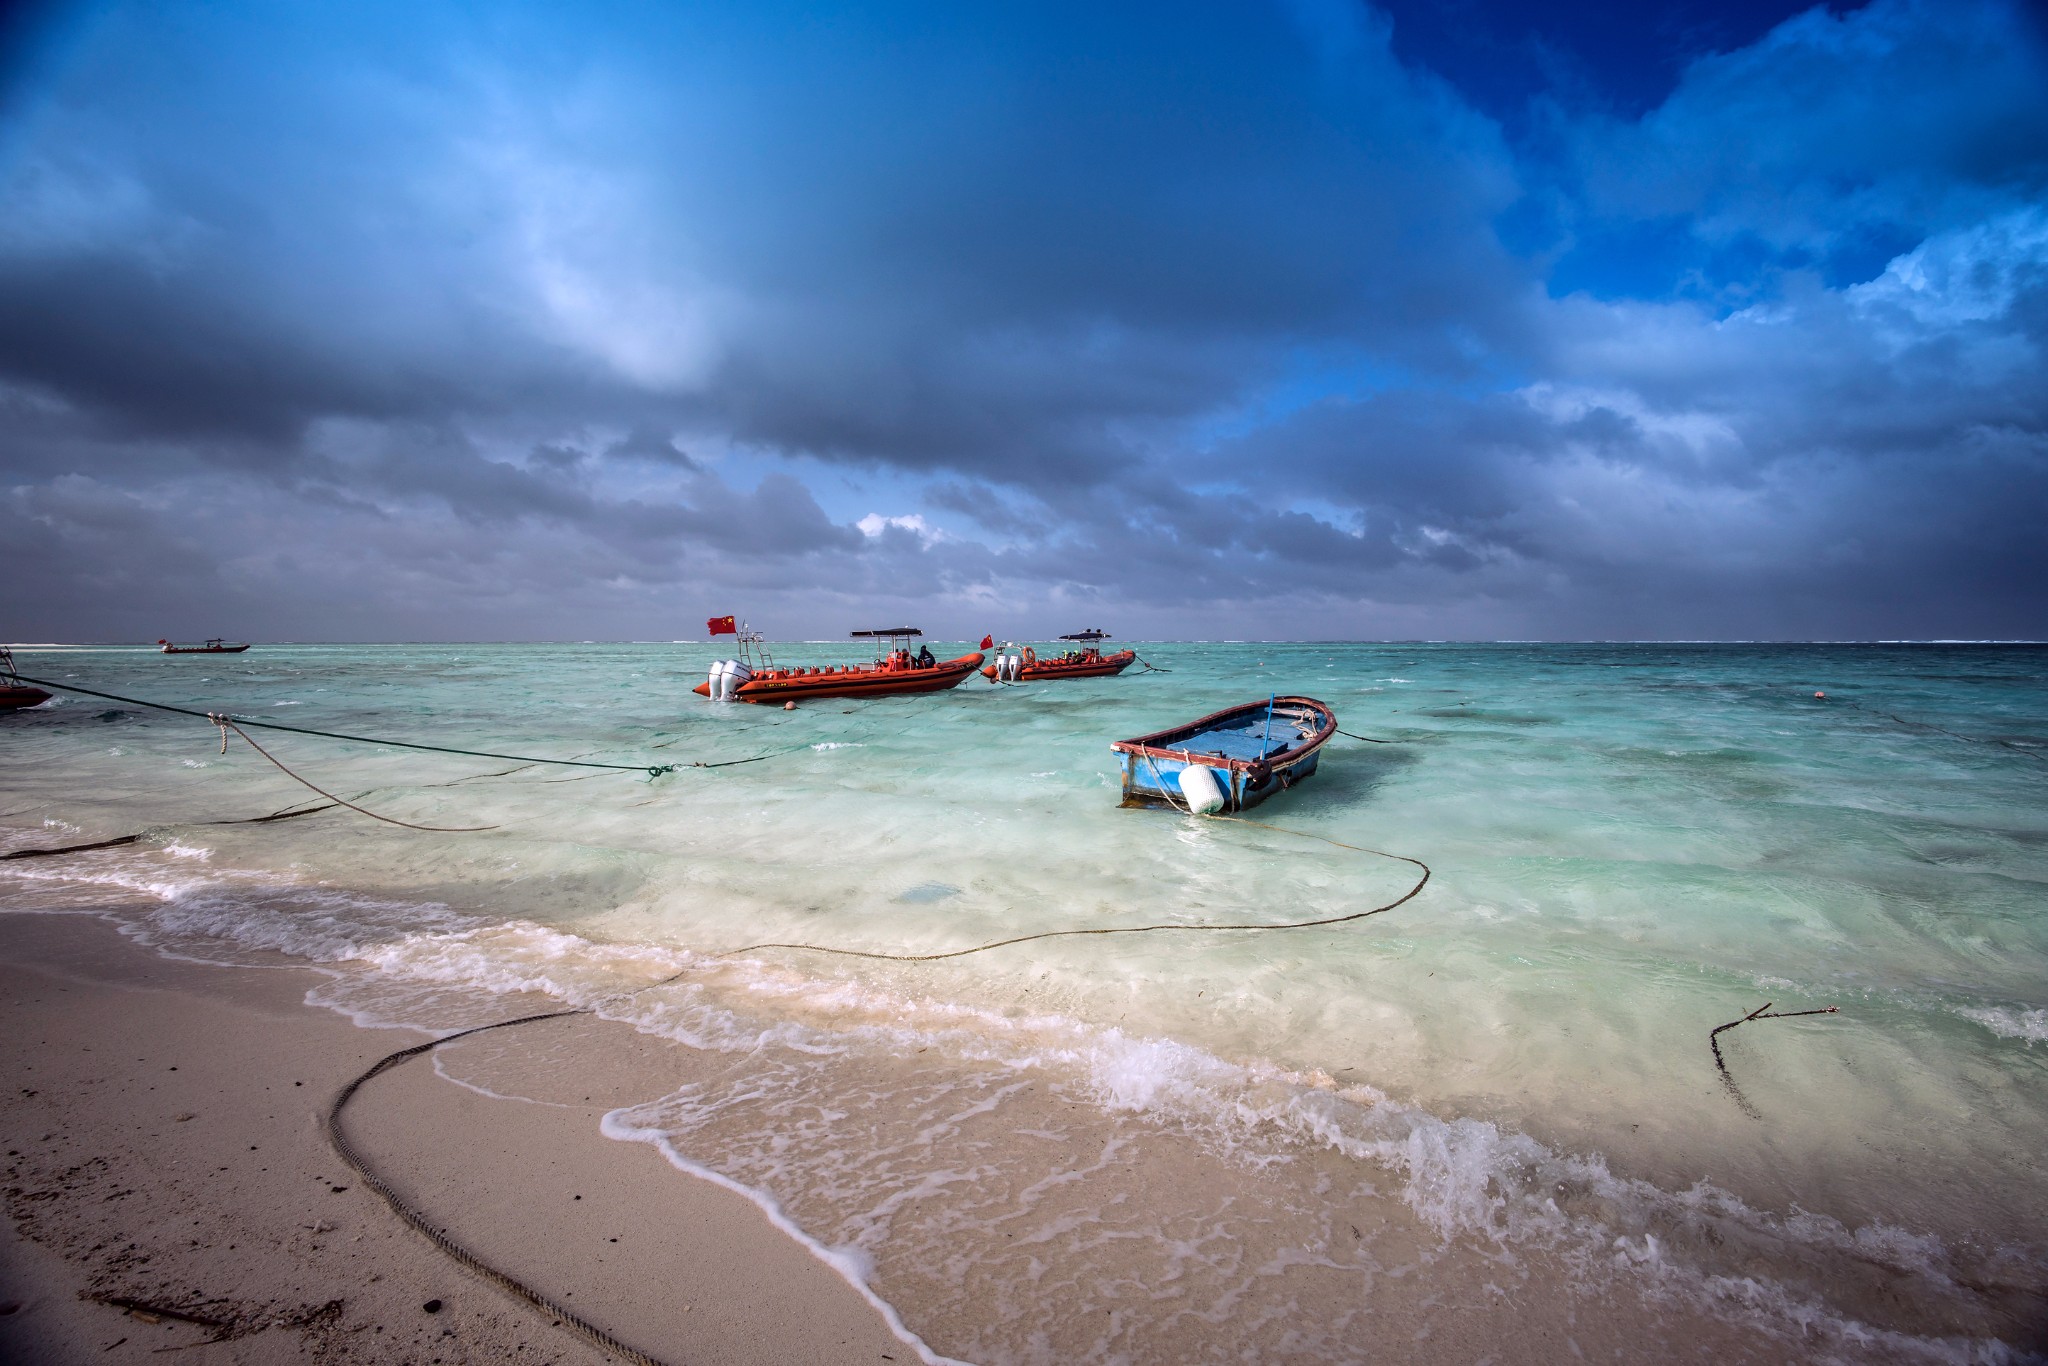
{"points": [[285, 815], [651, 770], [71, 848], [227, 725], [439, 1237], [1368, 739], [1402, 899]]}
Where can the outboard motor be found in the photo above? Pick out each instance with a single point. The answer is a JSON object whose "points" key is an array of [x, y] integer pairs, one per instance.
{"points": [[734, 674]]}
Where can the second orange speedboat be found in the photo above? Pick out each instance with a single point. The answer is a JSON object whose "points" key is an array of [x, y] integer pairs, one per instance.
{"points": [[894, 670], [1022, 664]]}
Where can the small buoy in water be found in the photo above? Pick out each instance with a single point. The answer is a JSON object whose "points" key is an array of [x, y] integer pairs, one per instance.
{"points": [[1820, 697], [789, 706]]}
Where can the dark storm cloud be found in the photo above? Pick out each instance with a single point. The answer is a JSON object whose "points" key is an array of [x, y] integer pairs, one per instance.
{"points": [[540, 325]]}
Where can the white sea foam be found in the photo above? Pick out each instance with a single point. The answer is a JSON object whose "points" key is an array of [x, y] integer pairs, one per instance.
{"points": [[853, 1266], [2009, 1022]]}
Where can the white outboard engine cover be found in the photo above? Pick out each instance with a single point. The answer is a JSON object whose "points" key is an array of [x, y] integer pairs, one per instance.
{"points": [[1198, 785], [712, 680], [734, 674]]}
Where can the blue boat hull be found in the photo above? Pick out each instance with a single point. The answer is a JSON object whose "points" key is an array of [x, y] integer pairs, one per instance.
{"points": [[1150, 781]]}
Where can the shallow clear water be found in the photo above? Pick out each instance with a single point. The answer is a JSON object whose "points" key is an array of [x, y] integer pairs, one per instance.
{"points": [[1628, 846]]}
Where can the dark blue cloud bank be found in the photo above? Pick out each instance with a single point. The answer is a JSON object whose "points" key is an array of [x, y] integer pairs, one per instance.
{"points": [[1302, 320]]}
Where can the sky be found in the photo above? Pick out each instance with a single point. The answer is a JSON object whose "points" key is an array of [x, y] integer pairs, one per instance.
{"points": [[1313, 319]]}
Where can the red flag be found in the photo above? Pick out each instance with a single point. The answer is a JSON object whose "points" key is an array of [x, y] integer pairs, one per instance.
{"points": [[722, 626], [987, 641]]}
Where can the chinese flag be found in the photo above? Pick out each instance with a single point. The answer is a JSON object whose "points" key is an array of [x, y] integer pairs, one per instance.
{"points": [[722, 626], [987, 641]]}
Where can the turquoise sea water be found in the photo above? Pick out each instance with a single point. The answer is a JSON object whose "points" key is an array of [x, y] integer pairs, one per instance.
{"points": [[1629, 845]]}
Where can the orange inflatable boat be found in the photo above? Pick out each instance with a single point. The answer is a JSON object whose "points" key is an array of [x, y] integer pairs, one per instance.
{"points": [[895, 670], [1022, 664]]}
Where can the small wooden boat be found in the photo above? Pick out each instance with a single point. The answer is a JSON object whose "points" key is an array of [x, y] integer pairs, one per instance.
{"points": [[215, 646], [1022, 664], [15, 694], [756, 677], [1228, 760]]}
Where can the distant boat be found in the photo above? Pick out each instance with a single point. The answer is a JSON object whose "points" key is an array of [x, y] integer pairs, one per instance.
{"points": [[1228, 760], [755, 677], [1022, 664], [216, 646], [15, 694]]}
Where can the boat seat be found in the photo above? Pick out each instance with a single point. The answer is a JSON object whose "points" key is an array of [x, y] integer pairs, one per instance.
{"points": [[1241, 744]]}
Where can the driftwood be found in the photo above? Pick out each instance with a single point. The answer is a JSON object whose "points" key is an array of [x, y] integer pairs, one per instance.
{"points": [[1762, 1012]]}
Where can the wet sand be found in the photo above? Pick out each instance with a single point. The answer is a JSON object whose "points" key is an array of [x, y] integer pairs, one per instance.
{"points": [[165, 1146]]}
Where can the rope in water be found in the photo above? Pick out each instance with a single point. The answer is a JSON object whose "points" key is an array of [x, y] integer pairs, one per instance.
{"points": [[651, 770], [1405, 897], [439, 1237], [227, 725]]}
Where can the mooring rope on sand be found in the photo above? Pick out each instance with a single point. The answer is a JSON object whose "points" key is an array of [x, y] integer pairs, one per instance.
{"points": [[406, 1211]]}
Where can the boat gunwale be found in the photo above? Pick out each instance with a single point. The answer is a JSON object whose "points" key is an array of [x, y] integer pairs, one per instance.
{"points": [[1285, 758]]}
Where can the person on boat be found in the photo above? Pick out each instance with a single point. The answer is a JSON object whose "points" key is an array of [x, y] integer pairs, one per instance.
{"points": [[925, 658]]}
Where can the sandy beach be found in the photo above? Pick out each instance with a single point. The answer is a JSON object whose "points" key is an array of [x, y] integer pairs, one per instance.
{"points": [[165, 1148]]}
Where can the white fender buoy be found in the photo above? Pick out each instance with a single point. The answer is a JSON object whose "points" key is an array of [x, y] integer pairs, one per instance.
{"points": [[1198, 785]]}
